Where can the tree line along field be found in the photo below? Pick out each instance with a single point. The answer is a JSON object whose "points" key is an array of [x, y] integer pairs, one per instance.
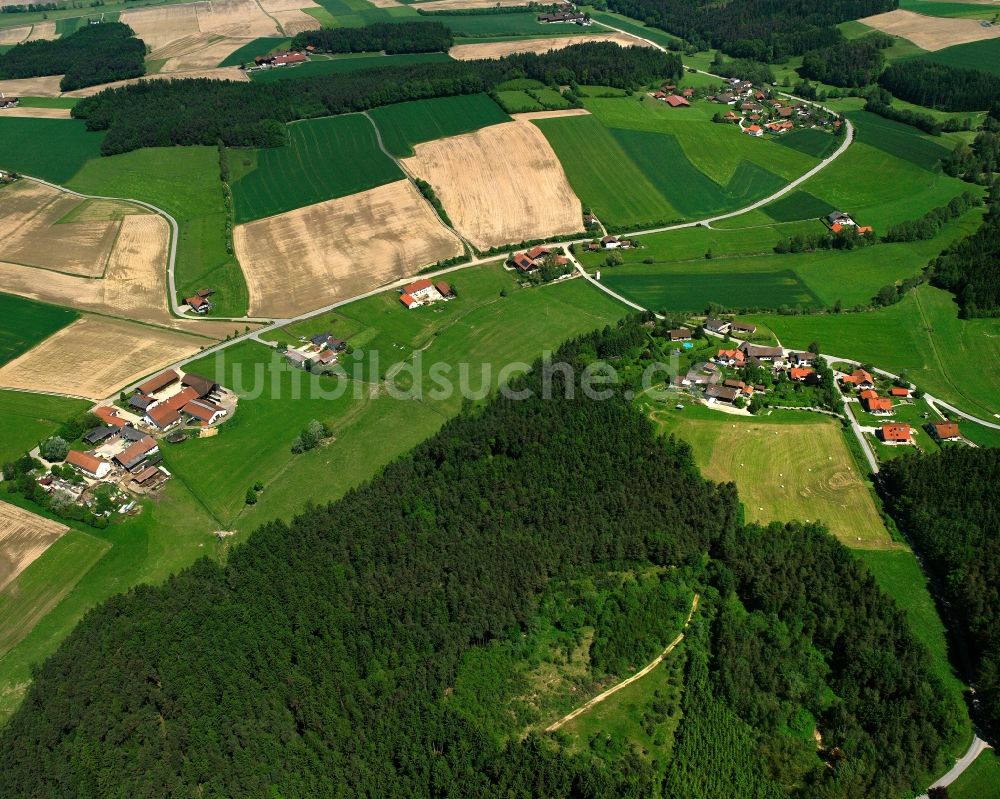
{"points": [[24, 323], [983, 55], [670, 270], [341, 64], [946, 356], [324, 159], [405, 124], [477, 329]]}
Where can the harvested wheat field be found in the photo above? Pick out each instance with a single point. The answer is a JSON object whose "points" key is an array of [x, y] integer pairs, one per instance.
{"points": [[470, 52], [46, 228], [313, 256], [447, 5], [290, 15], [24, 536], [96, 357], [159, 26], [500, 185], [566, 112], [198, 53], [32, 87], [42, 30], [931, 33], [36, 113], [14, 35], [385, 3]]}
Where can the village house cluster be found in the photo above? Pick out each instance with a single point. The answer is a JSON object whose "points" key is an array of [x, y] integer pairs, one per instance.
{"points": [[7, 101], [838, 222], [289, 58], [565, 13], [758, 110], [424, 292], [124, 449], [318, 353], [534, 259]]}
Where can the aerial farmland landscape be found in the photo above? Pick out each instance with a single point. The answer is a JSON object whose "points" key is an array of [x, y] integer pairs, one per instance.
{"points": [[461, 398]]}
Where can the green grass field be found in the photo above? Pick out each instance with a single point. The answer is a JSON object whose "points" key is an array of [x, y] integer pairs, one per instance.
{"points": [[341, 64], [251, 50], [789, 465], [797, 205], [630, 25], [40, 587], [983, 55], [184, 182], [503, 26], [171, 533], [406, 124], [810, 141], [980, 781], [51, 149], [49, 102], [356, 13], [24, 323], [944, 355], [899, 140], [515, 101], [323, 159], [476, 329], [28, 418], [937, 8], [602, 175], [898, 574]]}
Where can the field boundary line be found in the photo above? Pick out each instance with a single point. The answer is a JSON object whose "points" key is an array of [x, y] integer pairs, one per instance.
{"points": [[629, 680]]}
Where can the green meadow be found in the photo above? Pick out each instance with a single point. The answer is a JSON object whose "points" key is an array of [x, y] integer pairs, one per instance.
{"points": [[503, 26], [949, 357], [983, 55], [184, 182], [980, 781], [480, 329], [251, 50], [516, 101], [323, 159], [24, 323], [28, 418], [356, 13], [405, 124], [51, 149]]}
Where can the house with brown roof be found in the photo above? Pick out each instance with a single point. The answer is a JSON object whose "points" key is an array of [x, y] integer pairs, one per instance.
{"points": [[90, 465], [680, 334], [743, 328], [721, 393], [899, 391], [876, 405], [132, 456], [859, 379], [199, 305], [208, 413], [408, 301], [945, 431], [167, 413], [422, 290], [675, 101], [203, 385], [895, 433], [720, 326], [610, 243], [109, 416], [754, 130], [159, 382], [761, 353], [6, 101], [730, 358], [444, 289], [799, 373]]}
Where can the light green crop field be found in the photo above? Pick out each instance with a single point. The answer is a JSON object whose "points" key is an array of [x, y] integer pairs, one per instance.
{"points": [[477, 329], [28, 418], [405, 124], [899, 574], [51, 149], [49, 102], [72, 11], [184, 182], [949, 357], [602, 175], [171, 533], [786, 466], [938, 8], [324, 158], [40, 587], [497, 27], [630, 25], [24, 323], [980, 781], [251, 50], [516, 101], [983, 55]]}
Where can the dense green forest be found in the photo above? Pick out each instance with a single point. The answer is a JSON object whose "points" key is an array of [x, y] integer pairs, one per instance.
{"points": [[93, 55], [969, 267], [940, 86], [392, 37], [948, 503], [857, 62], [765, 30], [321, 658], [171, 112]]}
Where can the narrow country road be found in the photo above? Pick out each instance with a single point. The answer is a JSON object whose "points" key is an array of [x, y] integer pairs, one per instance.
{"points": [[977, 747], [637, 676]]}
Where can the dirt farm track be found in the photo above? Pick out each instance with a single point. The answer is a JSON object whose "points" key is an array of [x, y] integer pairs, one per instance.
{"points": [[24, 536], [499, 185]]}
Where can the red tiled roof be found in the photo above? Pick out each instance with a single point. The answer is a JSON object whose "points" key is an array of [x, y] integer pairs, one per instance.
{"points": [[895, 432], [523, 262], [132, 455], [868, 393], [799, 373], [537, 252], [898, 391], [109, 415], [407, 300], [84, 460], [944, 430], [159, 382], [146, 474], [202, 410], [877, 403], [443, 288], [196, 302], [677, 102], [417, 285], [858, 376]]}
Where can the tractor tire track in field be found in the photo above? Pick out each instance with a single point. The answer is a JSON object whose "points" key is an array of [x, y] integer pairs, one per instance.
{"points": [[628, 681]]}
